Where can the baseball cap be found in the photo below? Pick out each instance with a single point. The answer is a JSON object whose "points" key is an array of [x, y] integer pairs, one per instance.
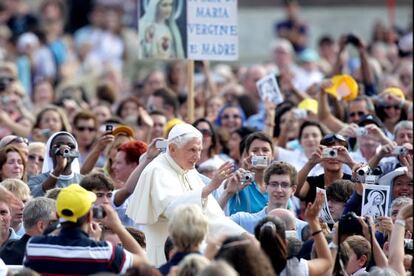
{"points": [[170, 124], [370, 119], [394, 91], [123, 130], [73, 202]]}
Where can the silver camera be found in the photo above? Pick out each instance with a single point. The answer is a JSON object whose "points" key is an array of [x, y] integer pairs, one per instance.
{"points": [[260, 161], [362, 174], [400, 151], [361, 131], [247, 177], [161, 145], [329, 153]]}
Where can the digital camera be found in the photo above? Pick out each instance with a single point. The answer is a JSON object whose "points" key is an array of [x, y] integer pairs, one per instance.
{"points": [[362, 173], [329, 153], [349, 225], [400, 151], [98, 212], [161, 145], [67, 153], [361, 131], [109, 128], [247, 177], [260, 161]]}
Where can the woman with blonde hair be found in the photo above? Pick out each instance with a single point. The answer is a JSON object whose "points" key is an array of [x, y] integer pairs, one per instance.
{"points": [[49, 120], [186, 239], [35, 158]]}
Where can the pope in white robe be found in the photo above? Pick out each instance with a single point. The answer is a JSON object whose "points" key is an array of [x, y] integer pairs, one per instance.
{"points": [[169, 181]]}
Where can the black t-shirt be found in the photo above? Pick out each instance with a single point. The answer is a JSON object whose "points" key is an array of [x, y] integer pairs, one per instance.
{"points": [[318, 181]]}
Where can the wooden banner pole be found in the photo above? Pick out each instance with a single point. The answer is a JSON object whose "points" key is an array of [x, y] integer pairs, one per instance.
{"points": [[190, 88]]}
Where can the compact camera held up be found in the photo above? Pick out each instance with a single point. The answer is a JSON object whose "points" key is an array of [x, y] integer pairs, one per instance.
{"points": [[247, 177], [361, 131], [400, 151], [98, 212], [329, 153], [260, 161]]}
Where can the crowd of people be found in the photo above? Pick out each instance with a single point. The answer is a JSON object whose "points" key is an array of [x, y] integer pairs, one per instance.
{"points": [[103, 169]]}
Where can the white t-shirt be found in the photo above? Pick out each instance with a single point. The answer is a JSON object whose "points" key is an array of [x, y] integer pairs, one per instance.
{"points": [[3, 268], [296, 267]]}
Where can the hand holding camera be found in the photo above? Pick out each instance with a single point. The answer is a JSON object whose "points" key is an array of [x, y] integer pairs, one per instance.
{"points": [[329, 153], [317, 156], [354, 40], [110, 217]]}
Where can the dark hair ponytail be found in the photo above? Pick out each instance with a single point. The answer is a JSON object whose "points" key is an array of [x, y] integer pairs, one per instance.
{"points": [[271, 234]]}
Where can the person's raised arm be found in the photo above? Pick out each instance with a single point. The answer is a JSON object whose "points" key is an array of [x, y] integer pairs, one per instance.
{"points": [[95, 152], [324, 113], [340, 57], [324, 262], [396, 247], [132, 180], [112, 221], [58, 169], [270, 109], [368, 229], [386, 150], [303, 186]]}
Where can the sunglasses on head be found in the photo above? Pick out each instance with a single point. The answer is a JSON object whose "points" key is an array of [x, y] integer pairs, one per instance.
{"points": [[330, 139], [20, 140]]}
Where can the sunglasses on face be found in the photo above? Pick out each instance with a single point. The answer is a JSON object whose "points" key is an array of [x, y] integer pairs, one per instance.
{"points": [[359, 113], [396, 107], [205, 132], [33, 157], [81, 128]]}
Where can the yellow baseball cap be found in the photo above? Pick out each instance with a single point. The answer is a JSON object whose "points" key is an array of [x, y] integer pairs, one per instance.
{"points": [[344, 87], [73, 202], [394, 91], [309, 105], [170, 124]]}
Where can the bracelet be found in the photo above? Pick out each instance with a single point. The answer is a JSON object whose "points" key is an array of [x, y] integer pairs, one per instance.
{"points": [[53, 176], [316, 232], [400, 222]]}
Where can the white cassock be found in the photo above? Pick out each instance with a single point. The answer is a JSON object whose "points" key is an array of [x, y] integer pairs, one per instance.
{"points": [[162, 186]]}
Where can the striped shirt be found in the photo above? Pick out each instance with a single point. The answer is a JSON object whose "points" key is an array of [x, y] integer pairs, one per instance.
{"points": [[72, 252]]}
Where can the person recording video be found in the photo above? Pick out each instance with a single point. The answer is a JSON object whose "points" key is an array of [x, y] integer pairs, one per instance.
{"points": [[60, 166]]}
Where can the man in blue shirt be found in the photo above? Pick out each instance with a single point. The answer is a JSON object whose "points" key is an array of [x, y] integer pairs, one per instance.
{"points": [[72, 251], [280, 181]]}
